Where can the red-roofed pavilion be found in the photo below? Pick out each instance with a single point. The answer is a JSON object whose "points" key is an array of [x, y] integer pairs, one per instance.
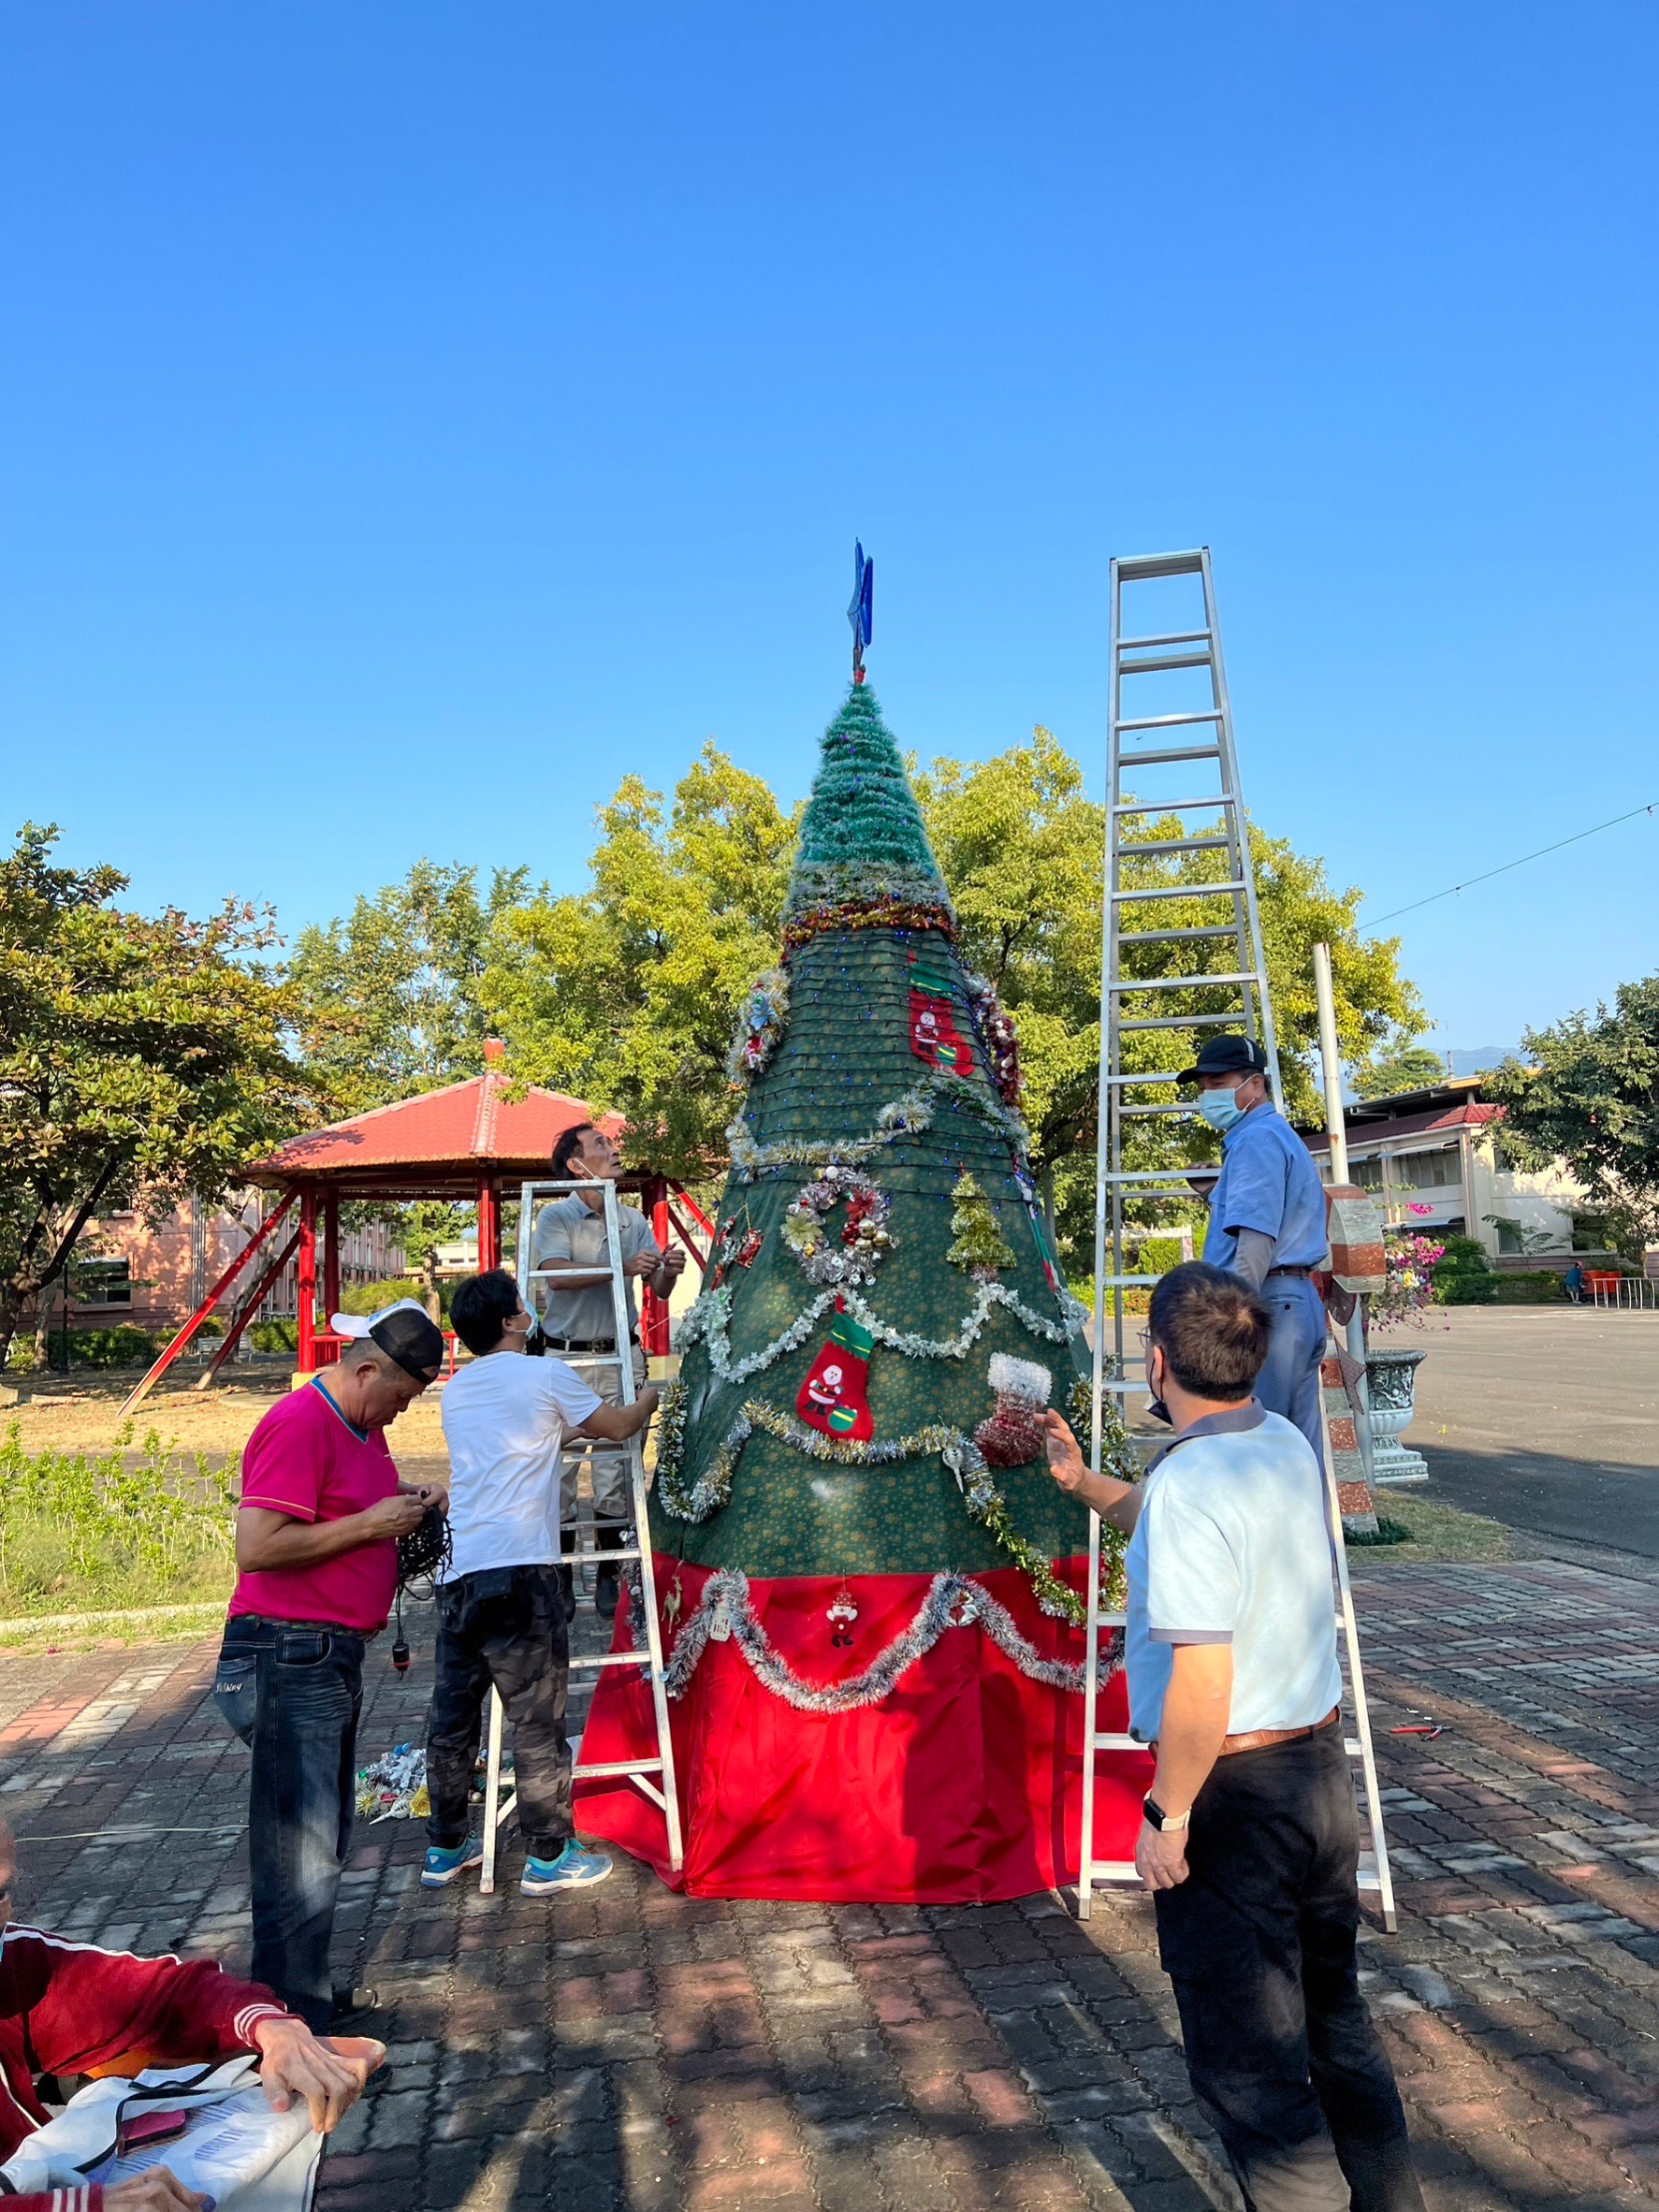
{"points": [[469, 1143]]}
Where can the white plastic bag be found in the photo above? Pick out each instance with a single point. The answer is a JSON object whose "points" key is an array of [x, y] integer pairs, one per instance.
{"points": [[232, 2138]]}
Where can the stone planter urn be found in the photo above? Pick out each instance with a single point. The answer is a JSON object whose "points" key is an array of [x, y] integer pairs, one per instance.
{"points": [[1391, 1376]]}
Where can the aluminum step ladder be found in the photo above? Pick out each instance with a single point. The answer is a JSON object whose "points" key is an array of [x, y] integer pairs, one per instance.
{"points": [[653, 1777], [1230, 983]]}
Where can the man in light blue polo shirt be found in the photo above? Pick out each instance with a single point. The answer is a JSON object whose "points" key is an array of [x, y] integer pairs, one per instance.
{"points": [[1267, 1222], [1250, 1841]]}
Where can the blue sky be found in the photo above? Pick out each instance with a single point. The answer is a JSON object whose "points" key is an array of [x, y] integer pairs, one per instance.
{"points": [[414, 416]]}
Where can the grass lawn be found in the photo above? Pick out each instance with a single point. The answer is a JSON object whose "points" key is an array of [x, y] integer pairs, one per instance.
{"points": [[1437, 1532], [83, 1412]]}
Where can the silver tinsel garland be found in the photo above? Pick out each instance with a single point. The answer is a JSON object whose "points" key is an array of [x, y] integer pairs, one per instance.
{"points": [[709, 1319], [952, 1601], [833, 882], [713, 1487], [901, 1117]]}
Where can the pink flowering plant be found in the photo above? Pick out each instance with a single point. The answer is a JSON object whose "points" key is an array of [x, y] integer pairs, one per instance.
{"points": [[1406, 1293]]}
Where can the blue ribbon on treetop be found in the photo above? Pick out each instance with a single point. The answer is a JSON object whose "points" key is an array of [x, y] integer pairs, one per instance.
{"points": [[861, 611]]}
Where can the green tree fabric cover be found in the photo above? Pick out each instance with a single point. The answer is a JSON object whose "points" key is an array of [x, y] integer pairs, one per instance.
{"points": [[872, 1661]]}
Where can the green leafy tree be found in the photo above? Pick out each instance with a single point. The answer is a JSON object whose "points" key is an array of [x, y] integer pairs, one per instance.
{"points": [[1589, 1094], [627, 995], [388, 996], [1404, 1068], [141, 1060]]}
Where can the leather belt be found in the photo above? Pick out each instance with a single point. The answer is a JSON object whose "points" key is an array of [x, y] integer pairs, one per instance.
{"points": [[580, 1343], [1259, 1739], [1290, 1270]]}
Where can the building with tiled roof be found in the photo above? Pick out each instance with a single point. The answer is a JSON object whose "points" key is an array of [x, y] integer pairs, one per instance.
{"points": [[1429, 1155]]}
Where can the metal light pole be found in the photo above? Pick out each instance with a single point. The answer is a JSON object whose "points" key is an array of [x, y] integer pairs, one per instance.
{"points": [[1337, 1130]]}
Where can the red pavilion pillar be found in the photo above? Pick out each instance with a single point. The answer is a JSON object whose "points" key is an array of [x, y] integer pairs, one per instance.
{"points": [[330, 1256], [653, 1311], [306, 1290], [489, 1227]]}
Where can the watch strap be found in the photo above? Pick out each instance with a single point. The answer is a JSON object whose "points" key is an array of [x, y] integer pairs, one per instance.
{"points": [[1160, 1820]]}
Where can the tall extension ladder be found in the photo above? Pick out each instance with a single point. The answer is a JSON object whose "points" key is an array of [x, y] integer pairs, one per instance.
{"points": [[660, 1791], [1214, 822]]}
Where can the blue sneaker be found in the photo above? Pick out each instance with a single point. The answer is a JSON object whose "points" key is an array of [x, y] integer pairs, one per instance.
{"points": [[441, 1866], [574, 1869]]}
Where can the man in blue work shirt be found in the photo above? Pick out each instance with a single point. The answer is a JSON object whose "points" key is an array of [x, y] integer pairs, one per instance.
{"points": [[1250, 1841], [1267, 1222]]}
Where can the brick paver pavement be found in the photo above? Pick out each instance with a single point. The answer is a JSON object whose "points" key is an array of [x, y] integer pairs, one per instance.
{"points": [[630, 2048]]}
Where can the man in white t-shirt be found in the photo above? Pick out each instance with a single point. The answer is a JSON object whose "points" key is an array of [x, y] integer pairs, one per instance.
{"points": [[1250, 1843], [501, 1614], [570, 1256]]}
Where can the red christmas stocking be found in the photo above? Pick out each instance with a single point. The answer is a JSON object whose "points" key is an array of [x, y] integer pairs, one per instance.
{"points": [[833, 1397], [934, 1036]]}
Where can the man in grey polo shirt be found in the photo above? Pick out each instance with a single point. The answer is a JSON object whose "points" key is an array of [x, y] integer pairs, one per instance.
{"points": [[1250, 1843], [572, 1243]]}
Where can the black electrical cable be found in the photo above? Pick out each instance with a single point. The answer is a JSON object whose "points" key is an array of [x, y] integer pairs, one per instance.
{"points": [[1576, 838]]}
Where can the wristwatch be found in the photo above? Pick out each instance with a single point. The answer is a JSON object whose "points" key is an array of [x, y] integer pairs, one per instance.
{"points": [[1160, 1820]]}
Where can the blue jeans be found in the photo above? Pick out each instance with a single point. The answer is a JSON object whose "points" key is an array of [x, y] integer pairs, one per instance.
{"points": [[293, 1691], [1289, 1379]]}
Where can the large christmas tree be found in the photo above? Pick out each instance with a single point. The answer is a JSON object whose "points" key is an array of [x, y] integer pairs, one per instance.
{"points": [[868, 1581]]}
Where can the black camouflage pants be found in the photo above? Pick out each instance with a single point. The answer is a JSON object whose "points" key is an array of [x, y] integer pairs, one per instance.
{"points": [[505, 1626]]}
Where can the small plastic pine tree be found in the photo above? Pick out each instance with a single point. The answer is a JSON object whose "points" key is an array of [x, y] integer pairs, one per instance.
{"points": [[980, 1245]]}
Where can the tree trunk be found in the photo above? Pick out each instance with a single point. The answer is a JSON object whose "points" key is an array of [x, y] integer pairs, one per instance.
{"points": [[34, 1278]]}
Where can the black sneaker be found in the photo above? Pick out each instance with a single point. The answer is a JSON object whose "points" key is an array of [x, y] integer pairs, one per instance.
{"points": [[351, 2004], [606, 1585]]}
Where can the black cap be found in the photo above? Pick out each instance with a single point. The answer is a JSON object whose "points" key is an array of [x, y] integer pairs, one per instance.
{"points": [[1232, 1054], [405, 1332], [411, 1339]]}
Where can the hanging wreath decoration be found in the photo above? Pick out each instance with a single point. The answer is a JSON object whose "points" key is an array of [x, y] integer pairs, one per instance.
{"points": [[863, 1240]]}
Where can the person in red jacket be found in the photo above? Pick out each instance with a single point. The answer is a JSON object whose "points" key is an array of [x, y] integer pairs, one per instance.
{"points": [[69, 2008]]}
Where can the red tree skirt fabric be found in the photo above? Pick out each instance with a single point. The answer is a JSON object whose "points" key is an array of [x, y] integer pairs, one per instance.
{"points": [[963, 1786]]}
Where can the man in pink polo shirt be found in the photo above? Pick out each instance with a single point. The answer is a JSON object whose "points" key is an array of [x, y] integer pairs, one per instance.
{"points": [[316, 1555]]}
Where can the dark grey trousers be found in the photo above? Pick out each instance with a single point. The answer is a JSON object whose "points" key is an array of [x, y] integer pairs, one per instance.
{"points": [[1260, 1943]]}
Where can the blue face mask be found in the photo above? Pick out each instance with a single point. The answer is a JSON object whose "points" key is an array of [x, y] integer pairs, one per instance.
{"points": [[1220, 1109]]}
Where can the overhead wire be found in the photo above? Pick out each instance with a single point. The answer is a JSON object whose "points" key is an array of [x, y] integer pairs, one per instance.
{"points": [[1468, 885]]}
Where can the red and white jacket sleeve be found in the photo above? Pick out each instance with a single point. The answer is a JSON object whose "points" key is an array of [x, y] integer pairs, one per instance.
{"points": [[87, 2011]]}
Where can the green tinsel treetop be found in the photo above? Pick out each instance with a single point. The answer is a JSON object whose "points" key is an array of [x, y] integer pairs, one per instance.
{"points": [[862, 840]]}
